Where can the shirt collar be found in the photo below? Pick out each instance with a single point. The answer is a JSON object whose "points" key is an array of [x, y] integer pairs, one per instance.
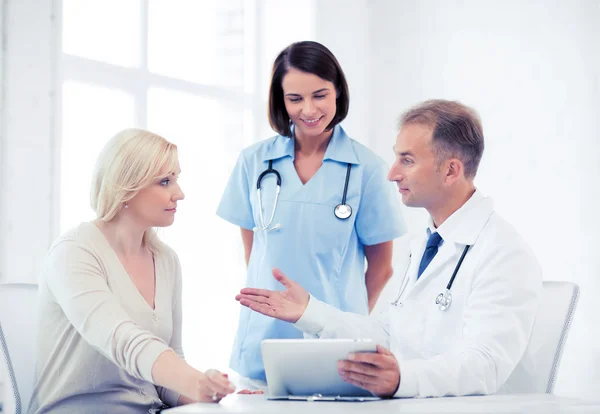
{"points": [[339, 149], [466, 223], [279, 147]]}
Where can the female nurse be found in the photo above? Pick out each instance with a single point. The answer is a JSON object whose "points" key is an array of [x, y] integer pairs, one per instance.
{"points": [[310, 201]]}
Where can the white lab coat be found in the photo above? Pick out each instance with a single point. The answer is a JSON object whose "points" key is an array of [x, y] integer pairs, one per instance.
{"points": [[473, 346]]}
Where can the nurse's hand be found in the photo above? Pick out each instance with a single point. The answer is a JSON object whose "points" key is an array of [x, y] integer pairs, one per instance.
{"points": [[287, 305], [376, 372]]}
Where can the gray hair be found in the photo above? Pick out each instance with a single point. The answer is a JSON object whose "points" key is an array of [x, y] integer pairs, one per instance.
{"points": [[457, 131]]}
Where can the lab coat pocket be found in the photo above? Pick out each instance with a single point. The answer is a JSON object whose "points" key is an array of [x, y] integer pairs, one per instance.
{"points": [[407, 326], [443, 329]]}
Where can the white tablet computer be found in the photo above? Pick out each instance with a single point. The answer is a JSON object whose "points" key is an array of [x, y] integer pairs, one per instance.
{"points": [[306, 369]]}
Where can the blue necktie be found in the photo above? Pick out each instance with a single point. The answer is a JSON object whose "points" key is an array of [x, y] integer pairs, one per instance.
{"points": [[430, 251]]}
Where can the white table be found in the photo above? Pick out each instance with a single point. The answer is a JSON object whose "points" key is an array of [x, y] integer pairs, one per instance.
{"points": [[517, 403]]}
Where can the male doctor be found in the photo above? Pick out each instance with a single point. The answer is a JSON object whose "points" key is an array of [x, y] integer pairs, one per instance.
{"points": [[467, 341]]}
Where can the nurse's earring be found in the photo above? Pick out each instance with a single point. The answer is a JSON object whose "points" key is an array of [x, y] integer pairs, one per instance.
{"points": [[126, 205]]}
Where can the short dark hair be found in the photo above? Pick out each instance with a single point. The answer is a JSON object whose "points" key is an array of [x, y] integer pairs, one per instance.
{"points": [[457, 131], [309, 57]]}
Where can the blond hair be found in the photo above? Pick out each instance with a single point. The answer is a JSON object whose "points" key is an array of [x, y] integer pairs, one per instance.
{"points": [[129, 161]]}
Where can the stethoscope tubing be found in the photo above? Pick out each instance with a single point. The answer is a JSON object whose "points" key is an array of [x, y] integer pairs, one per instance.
{"points": [[271, 170], [447, 292], [266, 172], [456, 269], [346, 184]]}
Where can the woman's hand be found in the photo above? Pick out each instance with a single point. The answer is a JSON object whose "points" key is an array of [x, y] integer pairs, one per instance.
{"points": [[210, 386], [171, 371], [288, 305], [247, 391]]}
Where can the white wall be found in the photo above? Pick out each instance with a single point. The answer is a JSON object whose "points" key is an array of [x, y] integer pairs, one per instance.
{"points": [[532, 70], [27, 161], [2, 153], [27, 199]]}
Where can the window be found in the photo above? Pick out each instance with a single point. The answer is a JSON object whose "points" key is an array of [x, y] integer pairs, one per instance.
{"points": [[177, 68], [195, 72]]}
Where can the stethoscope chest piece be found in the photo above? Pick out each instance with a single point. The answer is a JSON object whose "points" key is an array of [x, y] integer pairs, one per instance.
{"points": [[343, 211], [444, 300]]}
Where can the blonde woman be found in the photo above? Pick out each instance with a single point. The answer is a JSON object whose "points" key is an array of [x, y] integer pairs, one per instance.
{"points": [[110, 295]]}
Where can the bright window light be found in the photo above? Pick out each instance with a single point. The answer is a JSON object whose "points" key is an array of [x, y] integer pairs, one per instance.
{"points": [[197, 41], [91, 116], [107, 31]]}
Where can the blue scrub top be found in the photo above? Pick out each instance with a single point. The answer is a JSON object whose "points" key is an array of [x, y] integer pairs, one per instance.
{"points": [[324, 254]]}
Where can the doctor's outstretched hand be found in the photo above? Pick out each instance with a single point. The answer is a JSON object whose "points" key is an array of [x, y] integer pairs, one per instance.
{"points": [[287, 305]]}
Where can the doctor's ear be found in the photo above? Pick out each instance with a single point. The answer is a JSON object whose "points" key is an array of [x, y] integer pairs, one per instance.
{"points": [[454, 170]]}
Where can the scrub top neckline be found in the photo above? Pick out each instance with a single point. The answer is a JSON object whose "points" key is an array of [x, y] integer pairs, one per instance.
{"points": [[302, 185], [322, 160]]}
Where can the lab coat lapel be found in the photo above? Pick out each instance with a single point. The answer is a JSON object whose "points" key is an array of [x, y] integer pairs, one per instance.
{"points": [[445, 253], [469, 222], [417, 247]]}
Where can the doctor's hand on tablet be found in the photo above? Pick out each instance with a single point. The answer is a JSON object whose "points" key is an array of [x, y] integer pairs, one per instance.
{"points": [[287, 305], [376, 372]]}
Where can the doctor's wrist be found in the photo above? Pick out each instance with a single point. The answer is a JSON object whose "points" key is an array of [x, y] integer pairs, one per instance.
{"points": [[311, 321], [301, 308]]}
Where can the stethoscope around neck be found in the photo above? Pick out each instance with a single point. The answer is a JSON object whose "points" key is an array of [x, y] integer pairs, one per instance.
{"points": [[444, 299], [342, 211], [266, 226]]}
